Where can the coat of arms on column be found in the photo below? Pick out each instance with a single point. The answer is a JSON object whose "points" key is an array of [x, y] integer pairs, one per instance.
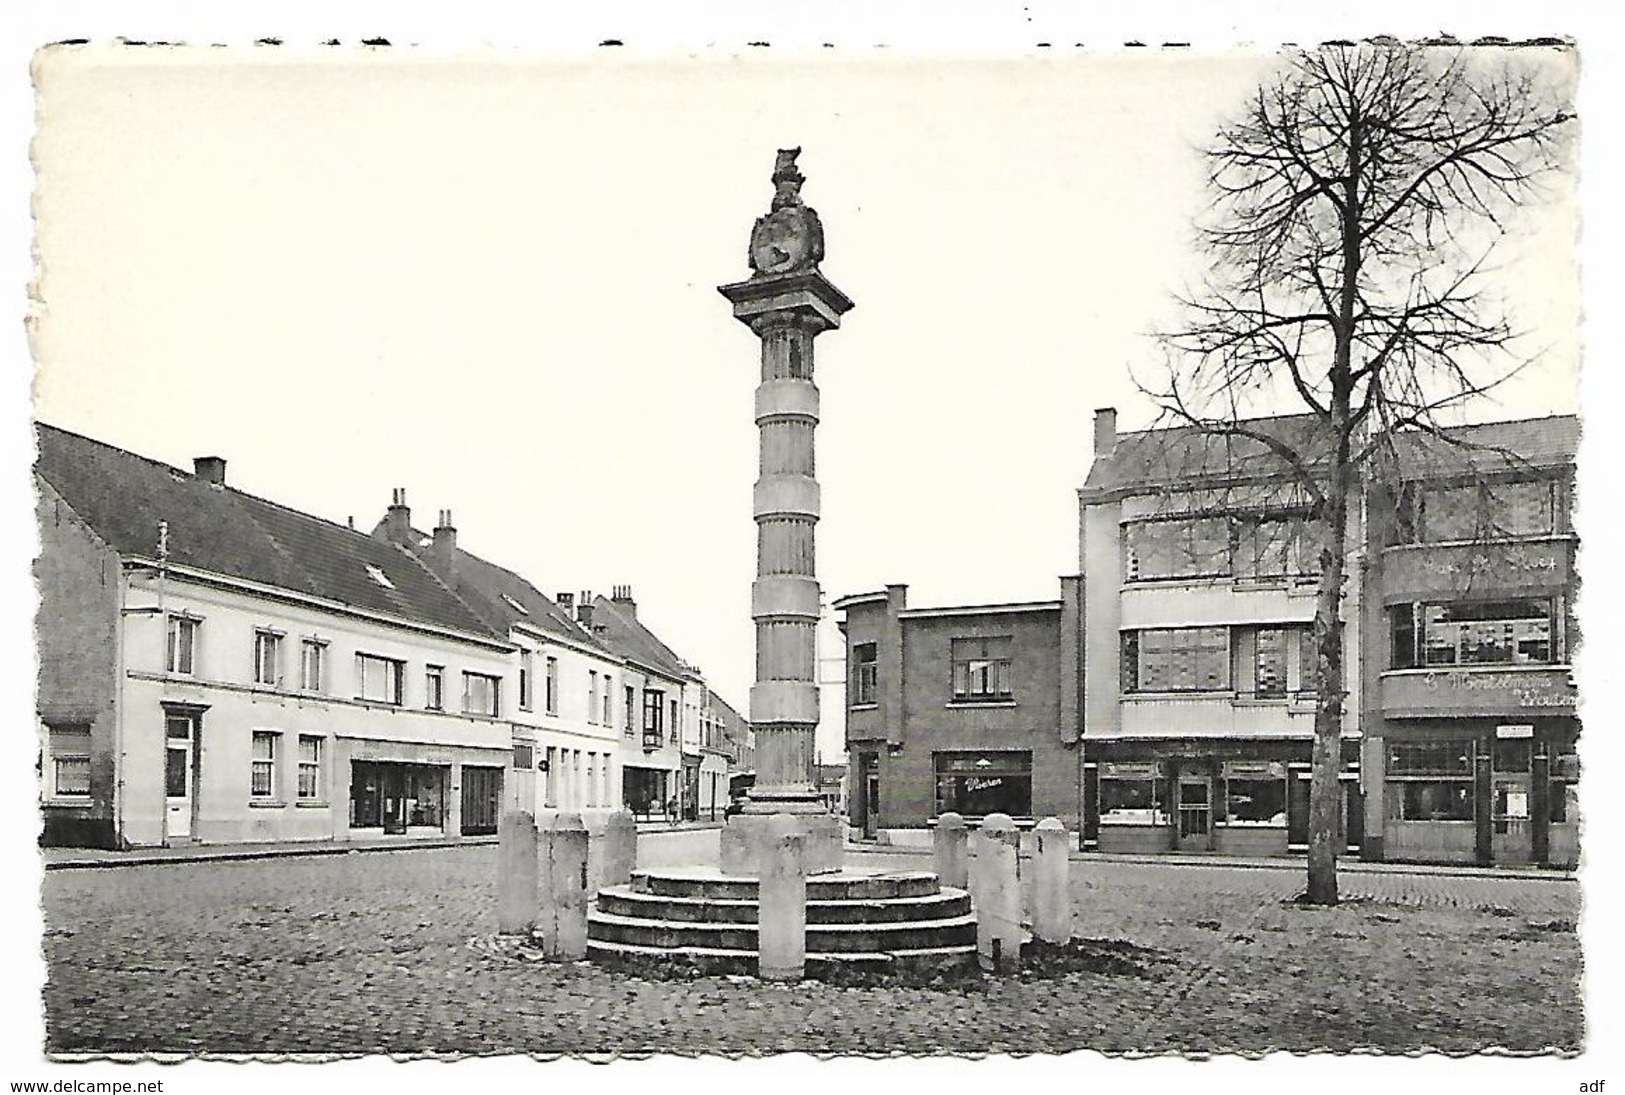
{"points": [[789, 239]]}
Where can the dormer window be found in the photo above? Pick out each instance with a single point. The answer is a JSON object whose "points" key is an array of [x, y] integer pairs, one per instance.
{"points": [[379, 576], [515, 605]]}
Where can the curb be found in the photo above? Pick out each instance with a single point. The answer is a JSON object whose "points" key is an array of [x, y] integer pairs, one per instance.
{"points": [[1354, 867], [240, 854]]}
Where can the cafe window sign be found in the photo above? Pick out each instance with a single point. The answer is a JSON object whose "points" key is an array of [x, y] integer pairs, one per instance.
{"points": [[975, 784]]}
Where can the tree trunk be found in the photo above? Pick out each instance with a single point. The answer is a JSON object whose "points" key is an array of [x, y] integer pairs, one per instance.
{"points": [[1325, 790]]}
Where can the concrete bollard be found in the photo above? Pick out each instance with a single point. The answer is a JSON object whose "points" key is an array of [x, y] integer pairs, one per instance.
{"points": [[781, 920], [562, 911], [996, 894], [619, 849], [1052, 902], [596, 827], [516, 873], [948, 842]]}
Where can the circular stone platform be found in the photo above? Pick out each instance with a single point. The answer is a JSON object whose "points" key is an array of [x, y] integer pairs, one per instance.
{"points": [[880, 920]]}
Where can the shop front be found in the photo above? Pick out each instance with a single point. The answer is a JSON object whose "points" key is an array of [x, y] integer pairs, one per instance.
{"points": [[647, 792], [1482, 791], [397, 798], [1228, 798]]}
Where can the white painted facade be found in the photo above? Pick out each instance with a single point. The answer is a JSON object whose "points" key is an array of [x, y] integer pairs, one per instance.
{"points": [[272, 759]]}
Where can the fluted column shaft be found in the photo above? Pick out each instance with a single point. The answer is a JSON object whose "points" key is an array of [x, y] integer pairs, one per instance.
{"points": [[785, 595]]}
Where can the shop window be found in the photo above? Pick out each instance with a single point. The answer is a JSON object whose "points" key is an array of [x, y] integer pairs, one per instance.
{"points": [[981, 668], [310, 767], [1254, 794], [68, 765], [425, 788], [1183, 659], [1430, 800], [262, 765], [864, 665], [1430, 781], [1564, 774], [1132, 794], [978, 784], [1431, 758]]}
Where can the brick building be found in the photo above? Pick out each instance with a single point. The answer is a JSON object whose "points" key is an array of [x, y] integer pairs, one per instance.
{"points": [[972, 709], [1166, 701]]}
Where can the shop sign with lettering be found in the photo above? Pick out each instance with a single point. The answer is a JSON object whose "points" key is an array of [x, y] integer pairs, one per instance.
{"points": [[1539, 689], [1131, 770]]}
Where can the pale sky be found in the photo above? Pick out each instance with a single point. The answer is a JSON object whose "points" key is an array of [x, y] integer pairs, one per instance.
{"points": [[493, 283]]}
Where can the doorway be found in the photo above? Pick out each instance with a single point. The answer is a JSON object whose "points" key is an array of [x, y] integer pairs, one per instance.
{"points": [[869, 785], [1195, 814], [1510, 840], [180, 764], [482, 800]]}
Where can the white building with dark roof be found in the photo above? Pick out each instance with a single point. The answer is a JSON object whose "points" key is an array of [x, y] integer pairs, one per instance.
{"points": [[218, 668], [566, 703]]}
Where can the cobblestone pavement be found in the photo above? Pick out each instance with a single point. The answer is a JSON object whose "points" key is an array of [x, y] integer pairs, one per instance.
{"points": [[391, 952]]}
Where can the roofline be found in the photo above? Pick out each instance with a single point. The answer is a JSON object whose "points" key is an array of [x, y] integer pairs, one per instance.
{"points": [[981, 610], [842, 603], [278, 593], [536, 631]]}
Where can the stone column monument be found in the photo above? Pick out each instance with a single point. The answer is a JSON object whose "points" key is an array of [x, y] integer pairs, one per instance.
{"points": [[786, 302]]}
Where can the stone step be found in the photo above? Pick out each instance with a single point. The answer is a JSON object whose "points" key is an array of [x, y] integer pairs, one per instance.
{"points": [[834, 938], [719, 960], [841, 886], [624, 901]]}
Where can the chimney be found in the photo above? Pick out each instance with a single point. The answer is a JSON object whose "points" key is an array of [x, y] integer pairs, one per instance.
{"points": [[210, 469], [584, 610], [566, 601], [444, 551], [622, 595], [397, 522], [1105, 431]]}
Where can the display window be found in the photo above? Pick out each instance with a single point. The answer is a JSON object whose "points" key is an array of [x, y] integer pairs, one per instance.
{"points": [[1132, 794], [981, 783]]}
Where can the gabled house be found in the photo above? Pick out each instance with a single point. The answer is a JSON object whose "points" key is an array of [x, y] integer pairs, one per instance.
{"points": [[564, 706], [661, 694], [217, 667]]}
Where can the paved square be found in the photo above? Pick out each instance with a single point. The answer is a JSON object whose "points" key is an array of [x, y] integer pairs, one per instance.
{"points": [[387, 952]]}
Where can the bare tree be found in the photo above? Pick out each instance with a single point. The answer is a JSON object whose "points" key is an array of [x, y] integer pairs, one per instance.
{"points": [[1356, 201]]}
